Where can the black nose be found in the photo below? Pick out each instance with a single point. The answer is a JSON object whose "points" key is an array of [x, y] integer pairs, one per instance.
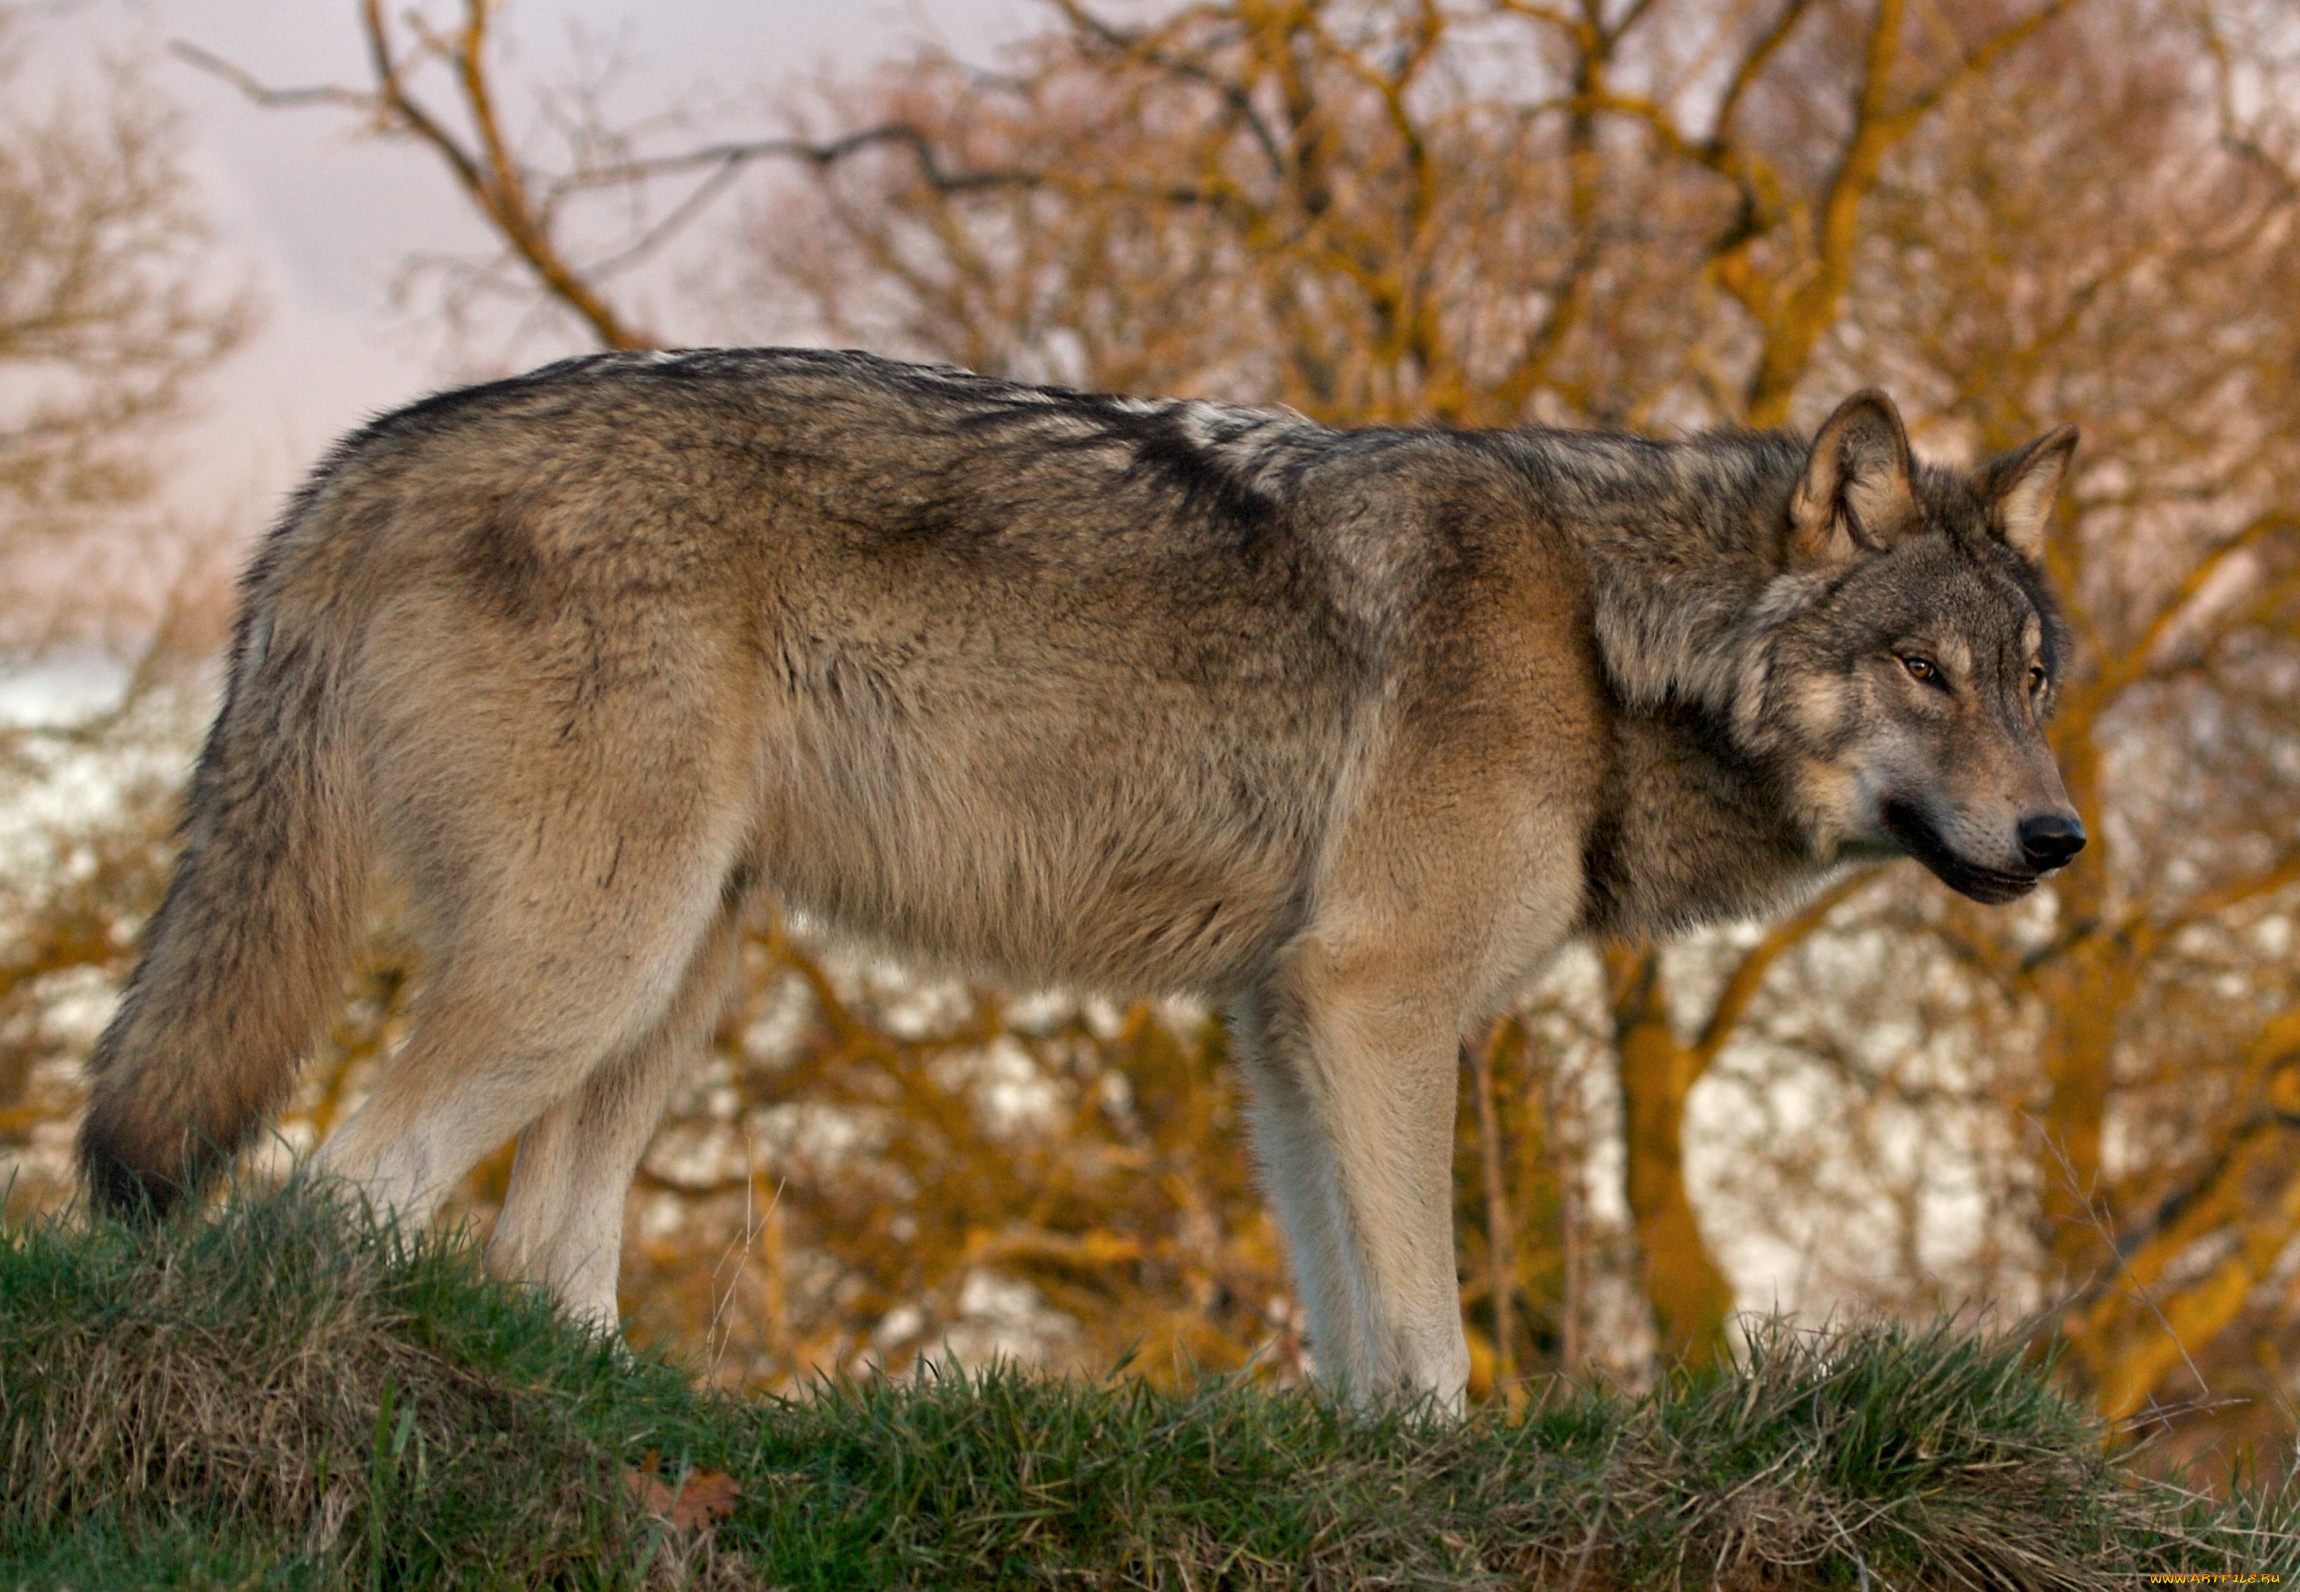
{"points": [[2048, 842]]}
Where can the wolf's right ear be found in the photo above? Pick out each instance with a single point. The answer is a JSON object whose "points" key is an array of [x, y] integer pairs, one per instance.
{"points": [[1855, 496], [2022, 486]]}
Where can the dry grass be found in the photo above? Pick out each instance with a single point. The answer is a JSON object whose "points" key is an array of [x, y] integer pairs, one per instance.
{"points": [[315, 1389], [278, 1396]]}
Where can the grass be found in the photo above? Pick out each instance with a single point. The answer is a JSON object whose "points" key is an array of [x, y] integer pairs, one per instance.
{"points": [[280, 1397]]}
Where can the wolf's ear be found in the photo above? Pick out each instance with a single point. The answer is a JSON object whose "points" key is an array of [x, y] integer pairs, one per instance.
{"points": [[1855, 495], [2021, 487]]}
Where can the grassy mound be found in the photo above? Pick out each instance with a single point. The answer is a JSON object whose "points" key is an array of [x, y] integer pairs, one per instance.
{"points": [[282, 1397]]}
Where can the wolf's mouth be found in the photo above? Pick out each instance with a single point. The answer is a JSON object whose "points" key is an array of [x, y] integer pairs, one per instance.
{"points": [[1915, 832]]}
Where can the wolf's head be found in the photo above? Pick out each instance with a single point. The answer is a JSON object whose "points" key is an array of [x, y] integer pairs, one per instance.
{"points": [[1907, 686]]}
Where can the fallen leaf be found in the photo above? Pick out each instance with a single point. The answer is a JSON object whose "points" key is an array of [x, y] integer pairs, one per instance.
{"points": [[707, 1495], [700, 1498]]}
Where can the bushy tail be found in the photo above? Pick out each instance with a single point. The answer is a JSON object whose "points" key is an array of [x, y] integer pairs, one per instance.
{"points": [[245, 956]]}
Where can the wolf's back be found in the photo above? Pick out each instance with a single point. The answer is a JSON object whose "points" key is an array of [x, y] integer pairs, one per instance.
{"points": [[245, 955]]}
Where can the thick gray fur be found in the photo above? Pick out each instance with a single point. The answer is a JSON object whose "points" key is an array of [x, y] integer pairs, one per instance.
{"points": [[1348, 730]]}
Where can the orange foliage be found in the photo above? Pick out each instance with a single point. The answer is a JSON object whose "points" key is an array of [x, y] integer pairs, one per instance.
{"points": [[1658, 213]]}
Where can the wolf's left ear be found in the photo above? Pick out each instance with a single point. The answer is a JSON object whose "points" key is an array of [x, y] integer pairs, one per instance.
{"points": [[2021, 487], [1855, 496]]}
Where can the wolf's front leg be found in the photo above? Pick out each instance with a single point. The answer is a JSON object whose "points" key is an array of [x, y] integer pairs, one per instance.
{"points": [[1353, 1066]]}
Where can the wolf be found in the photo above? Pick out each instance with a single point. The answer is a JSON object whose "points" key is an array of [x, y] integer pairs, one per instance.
{"points": [[1345, 730]]}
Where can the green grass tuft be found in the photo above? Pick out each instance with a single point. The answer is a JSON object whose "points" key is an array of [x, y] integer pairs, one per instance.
{"points": [[285, 1396]]}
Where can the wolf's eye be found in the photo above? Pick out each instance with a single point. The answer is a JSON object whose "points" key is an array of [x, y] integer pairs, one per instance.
{"points": [[1922, 669], [2036, 677]]}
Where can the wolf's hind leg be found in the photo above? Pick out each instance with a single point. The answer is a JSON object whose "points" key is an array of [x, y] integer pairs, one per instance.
{"points": [[562, 1220], [527, 999]]}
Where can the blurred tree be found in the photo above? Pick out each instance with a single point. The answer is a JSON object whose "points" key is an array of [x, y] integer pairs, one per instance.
{"points": [[108, 313], [1651, 213], [942, 1146], [1338, 207], [2087, 238], [108, 309], [2168, 330]]}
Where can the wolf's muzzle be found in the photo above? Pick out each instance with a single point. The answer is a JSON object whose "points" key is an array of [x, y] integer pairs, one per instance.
{"points": [[1910, 825]]}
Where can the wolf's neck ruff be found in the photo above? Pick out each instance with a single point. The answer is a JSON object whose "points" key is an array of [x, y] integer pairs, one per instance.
{"points": [[1349, 730]]}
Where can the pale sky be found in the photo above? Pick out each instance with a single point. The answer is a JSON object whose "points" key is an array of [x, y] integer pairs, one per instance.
{"points": [[320, 221]]}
